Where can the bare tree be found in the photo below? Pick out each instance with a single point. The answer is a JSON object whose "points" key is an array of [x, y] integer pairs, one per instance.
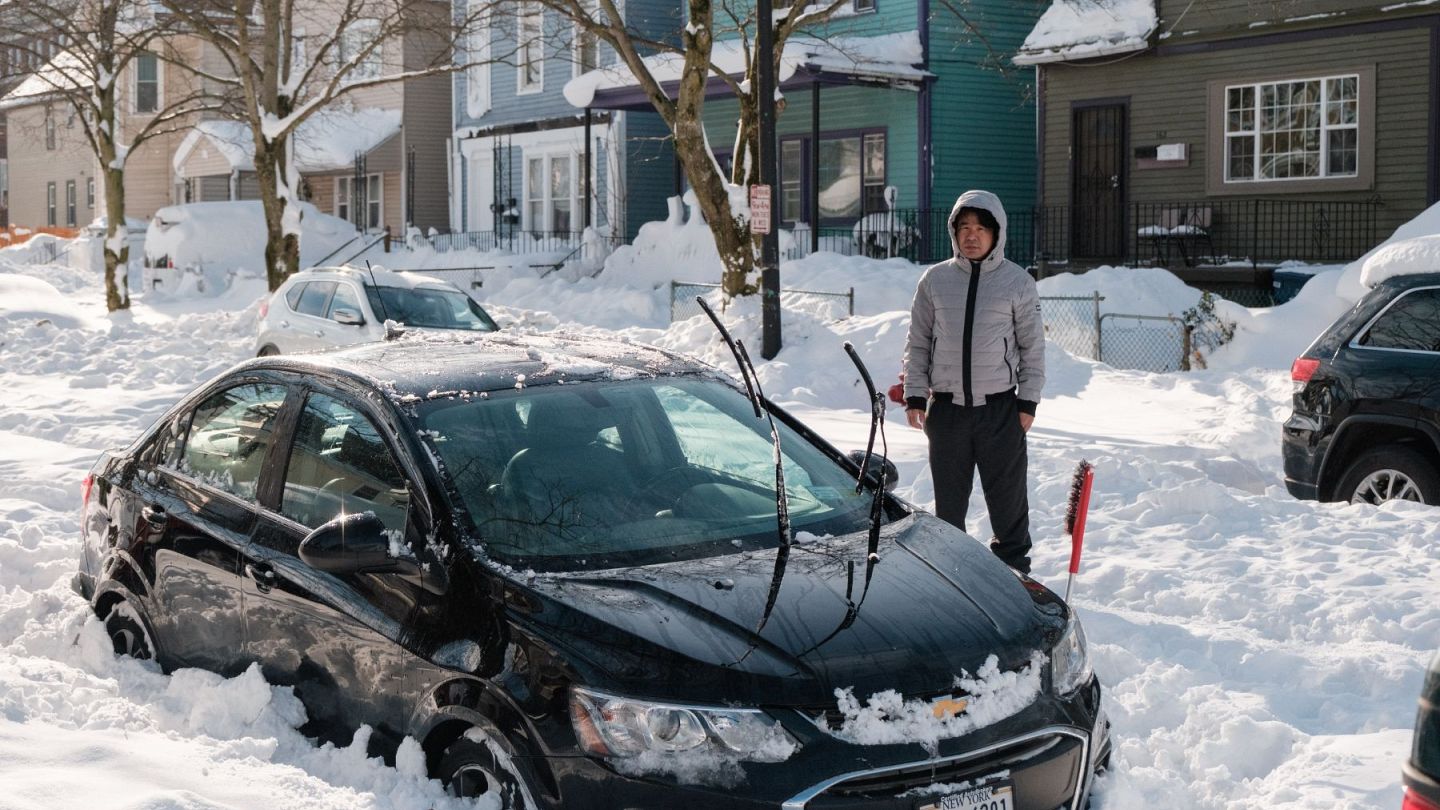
{"points": [[289, 61], [683, 113], [96, 43]]}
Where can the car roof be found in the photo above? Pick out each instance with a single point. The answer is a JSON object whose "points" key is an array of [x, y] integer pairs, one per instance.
{"points": [[1408, 280], [428, 365], [371, 277]]}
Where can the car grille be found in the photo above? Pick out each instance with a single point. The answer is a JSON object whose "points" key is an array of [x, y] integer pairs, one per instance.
{"points": [[1007, 758]]}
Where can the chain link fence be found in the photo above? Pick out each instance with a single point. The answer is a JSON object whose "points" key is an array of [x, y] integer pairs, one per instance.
{"points": [[1156, 343], [831, 305]]}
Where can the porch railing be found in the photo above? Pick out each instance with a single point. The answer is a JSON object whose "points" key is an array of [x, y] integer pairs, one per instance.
{"points": [[515, 241]]}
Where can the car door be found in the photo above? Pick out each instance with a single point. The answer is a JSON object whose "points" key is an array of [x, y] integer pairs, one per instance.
{"points": [[195, 498], [310, 328], [336, 640]]}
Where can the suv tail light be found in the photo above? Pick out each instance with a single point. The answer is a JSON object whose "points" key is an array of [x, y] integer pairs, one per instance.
{"points": [[1414, 801], [264, 308], [85, 484], [1302, 370]]}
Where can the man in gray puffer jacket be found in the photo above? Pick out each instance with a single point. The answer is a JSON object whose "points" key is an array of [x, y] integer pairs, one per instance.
{"points": [[974, 369]]}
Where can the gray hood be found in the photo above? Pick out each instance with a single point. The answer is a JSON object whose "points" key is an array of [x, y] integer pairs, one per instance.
{"points": [[988, 202]]}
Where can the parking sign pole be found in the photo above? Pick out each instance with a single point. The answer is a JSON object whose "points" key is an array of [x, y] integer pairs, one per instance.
{"points": [[770, 245]]}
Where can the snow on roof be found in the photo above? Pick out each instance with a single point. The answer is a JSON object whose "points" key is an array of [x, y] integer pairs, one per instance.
{"points": [[63, 72], [326, 141], [887, 56], [1080, 29]]}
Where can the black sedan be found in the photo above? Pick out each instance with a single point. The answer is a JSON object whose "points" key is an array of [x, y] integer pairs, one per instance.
{"points": [[554, 562], [1422, 771]]}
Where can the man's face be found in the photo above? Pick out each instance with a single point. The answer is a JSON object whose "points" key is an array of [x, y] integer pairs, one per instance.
{"points": [[975, 239]]}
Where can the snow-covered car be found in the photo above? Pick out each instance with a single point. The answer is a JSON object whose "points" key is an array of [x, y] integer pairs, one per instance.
{"points": [[196, 248], [327, 307], [1365, 425], [560, 566]]}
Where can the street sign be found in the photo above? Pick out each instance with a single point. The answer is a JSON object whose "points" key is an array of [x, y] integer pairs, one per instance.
{"points": [[760, 209]]}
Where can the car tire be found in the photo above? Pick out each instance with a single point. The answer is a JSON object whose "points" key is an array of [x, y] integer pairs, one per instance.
{"points": [[268, 351], [128, 634], [1390, 473], [470, 768]]}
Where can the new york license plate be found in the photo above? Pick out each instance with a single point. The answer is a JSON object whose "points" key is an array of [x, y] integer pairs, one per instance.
{"points": [[994, 796]]}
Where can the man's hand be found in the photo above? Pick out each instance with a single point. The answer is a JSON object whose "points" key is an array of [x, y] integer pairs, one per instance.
{"points": [[916, 418], [1026, 420]]}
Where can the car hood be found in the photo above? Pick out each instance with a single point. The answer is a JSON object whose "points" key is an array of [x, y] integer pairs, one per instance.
{"points": [[938, 604]]}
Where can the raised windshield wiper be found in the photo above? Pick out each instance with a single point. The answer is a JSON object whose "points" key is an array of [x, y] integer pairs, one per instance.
{"points": [[782, 506], [877, 423]]}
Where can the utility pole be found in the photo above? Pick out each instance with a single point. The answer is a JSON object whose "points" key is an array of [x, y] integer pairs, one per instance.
{"points": [[770, 242]]}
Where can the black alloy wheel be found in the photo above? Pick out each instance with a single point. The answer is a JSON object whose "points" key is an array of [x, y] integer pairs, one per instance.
{"points": [[469, 769], [268, 351], [127, 633], [1390, 473]]}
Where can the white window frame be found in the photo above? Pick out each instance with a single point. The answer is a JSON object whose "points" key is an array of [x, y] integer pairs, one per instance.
{"points": [[135, 84], [49, 133], [90, 192], [545, 198], [299, 52], [529, 46], [356, 36], [477, 75], [50, 213], [1257, 133], [341, 205], [72, 200], [374, 196]]}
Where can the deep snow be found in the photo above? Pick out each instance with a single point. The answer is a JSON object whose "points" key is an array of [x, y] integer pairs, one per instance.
{"points": [[1256, 651]]}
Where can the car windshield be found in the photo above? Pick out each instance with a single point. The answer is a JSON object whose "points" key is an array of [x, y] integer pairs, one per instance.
{"points": [[429, 308], [600, 475]]}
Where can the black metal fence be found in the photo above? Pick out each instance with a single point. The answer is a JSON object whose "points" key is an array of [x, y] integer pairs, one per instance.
{"points": [[516, 241], [1187, 233]]}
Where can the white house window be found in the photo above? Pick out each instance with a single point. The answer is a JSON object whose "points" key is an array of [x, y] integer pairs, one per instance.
{"points": [[299, 56], [528, 41], [368, 193], [477, 75], [851, 177], [550, 193], [147, 83], [90, 192], [49, 134], [70, 203], [1290, 130], [357, 36], [50, 203]]}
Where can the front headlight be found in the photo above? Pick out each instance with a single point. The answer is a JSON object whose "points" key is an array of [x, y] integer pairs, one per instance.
{"points": [[614, 726], [1069, 660]]}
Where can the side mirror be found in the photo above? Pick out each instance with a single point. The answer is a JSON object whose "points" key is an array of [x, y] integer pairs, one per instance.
{"points": [[349, 317], [352, 544], [892, 474]]}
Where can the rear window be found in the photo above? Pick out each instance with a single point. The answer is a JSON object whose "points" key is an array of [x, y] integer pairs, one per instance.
{"points": [[293, 296], [1411, 323]]}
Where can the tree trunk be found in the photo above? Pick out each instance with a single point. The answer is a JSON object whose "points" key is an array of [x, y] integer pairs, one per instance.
{"points": [[117, 245], [282, 248]]}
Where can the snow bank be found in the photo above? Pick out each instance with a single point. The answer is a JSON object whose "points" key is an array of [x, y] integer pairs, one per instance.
{"points": [[1079, 29]]}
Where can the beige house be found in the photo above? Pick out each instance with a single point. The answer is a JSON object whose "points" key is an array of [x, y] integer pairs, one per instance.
{"points": [[375, 158], [54, 177]]}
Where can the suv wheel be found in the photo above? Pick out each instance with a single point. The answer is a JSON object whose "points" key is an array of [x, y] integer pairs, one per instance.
{"points": [[127, 633], [268, 351], [1390, 473], [470, 768]]}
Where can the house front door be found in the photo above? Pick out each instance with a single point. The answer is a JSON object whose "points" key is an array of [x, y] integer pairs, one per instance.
{"points": [[1097, 187]]}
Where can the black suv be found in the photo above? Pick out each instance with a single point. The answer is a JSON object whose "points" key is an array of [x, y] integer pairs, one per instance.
{"points": [[1366, 420], [556, 563]]}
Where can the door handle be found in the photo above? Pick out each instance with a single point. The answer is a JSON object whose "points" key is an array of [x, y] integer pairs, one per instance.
{"points": [[263, 574], [285, 324], [155, 516], [319, 333]]}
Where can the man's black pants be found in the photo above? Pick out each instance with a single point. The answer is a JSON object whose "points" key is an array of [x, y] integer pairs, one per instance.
{"points": [[987, 436]]}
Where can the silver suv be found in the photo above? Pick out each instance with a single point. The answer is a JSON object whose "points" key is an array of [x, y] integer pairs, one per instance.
{"points": [[326, 307]]}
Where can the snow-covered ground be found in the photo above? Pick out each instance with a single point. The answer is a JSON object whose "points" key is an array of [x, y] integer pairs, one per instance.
{"points": [[1256, 651]]}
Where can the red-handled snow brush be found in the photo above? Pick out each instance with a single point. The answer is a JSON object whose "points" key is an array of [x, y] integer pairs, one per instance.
{"points": [[1075, 512]]}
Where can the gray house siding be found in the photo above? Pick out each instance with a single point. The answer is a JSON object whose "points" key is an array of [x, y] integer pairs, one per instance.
{"points": [[425, 123], [1168, 103], [1186, 19]]}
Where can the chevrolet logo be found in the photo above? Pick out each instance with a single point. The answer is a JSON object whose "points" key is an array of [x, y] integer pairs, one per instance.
{"points": [[945, 708]]}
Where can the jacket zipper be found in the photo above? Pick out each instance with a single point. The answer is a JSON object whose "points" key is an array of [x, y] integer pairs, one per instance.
{"points": [[1009, 369], [969, 344]]}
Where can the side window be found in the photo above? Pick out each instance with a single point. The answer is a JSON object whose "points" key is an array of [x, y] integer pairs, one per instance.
{"points": [[230, 433], [164, 447], [1412, 323], [338, 463], [293, 296], [344, 298], [315, 298]]}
